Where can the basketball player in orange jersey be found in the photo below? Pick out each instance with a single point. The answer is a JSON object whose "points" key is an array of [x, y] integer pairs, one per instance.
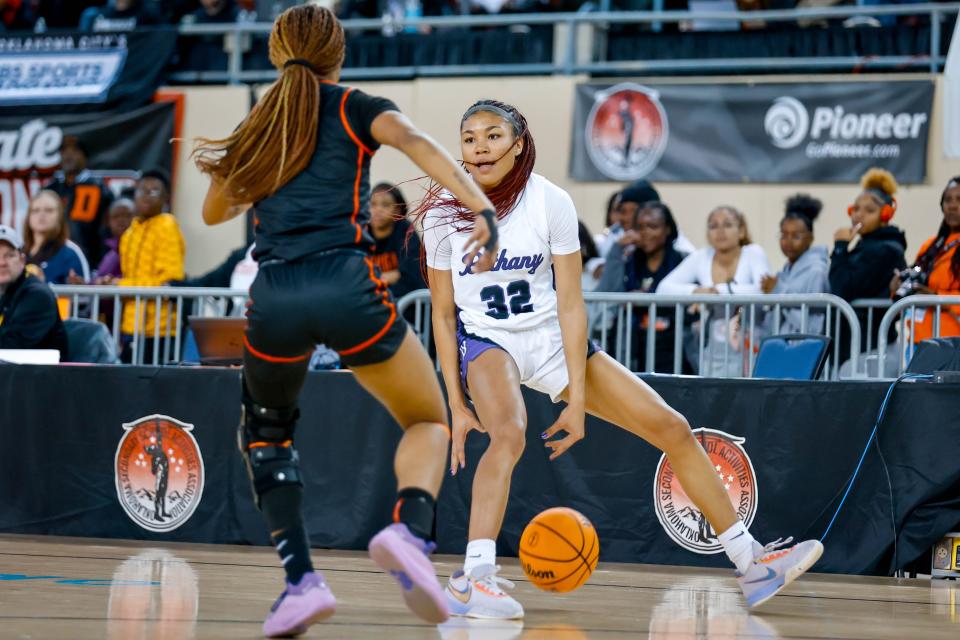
{"points": [[302, 158], [523, 322]]}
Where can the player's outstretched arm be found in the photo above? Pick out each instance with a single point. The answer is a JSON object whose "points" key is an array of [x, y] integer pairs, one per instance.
{"points": [[572, 314], [395, 129], [444, 316]]}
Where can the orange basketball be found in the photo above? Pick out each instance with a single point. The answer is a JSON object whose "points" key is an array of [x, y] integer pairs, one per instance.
{"points": [[559, 550]]}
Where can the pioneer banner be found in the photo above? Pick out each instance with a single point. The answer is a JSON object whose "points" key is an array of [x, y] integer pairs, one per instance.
{"points": [[812, 132], [119, 146], [64, 72]]}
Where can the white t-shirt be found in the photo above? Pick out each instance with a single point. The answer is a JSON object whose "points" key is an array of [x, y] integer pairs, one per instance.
{"points": [[696, 270], [518, 292]]}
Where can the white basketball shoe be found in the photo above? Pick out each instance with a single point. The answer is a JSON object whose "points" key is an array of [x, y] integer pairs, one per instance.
{"points": [[481, 595]]}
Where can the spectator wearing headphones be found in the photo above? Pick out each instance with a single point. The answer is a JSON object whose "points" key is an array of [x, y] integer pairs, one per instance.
{"points": [[864, 270]]}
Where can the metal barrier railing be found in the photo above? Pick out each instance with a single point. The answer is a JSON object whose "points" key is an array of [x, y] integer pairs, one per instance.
{"points": [[574, 54], [161, 307], [613, 325], [911, 304], [159, 316], [871, 306]]}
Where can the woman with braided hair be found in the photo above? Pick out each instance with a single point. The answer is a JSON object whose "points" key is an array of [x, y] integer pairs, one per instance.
{"points": [[523, 322], [939, 262], [301, 158]]}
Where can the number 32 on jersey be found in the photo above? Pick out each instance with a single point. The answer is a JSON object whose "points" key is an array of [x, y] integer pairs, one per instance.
{"points": [[496, 296]]}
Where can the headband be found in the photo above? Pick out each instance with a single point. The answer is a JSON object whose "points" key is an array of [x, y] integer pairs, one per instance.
{"points": [[299, 61], [492, 108], [882, 196]]}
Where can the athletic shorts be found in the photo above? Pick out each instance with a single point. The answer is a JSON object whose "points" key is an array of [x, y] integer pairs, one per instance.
{"points": [[538, 354], [334, 298]]}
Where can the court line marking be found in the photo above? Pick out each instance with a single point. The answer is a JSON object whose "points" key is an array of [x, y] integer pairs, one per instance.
{"points": [[518, 579]]}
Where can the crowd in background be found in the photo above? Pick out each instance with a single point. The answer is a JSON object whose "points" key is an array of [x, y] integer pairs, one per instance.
{"points": [[127, 15], [77, 231]]}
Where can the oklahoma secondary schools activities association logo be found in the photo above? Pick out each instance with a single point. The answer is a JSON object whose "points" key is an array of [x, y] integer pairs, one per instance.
{"points": [[159, 472], [680, 518], [626, 131]]}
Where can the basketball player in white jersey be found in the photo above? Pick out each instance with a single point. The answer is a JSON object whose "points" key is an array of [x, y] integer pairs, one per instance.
{"points": [[524, 323]]}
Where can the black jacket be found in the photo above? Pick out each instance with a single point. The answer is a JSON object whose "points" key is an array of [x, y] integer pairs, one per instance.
{"points": [[395, 253], [29, 318], [866, 272]]}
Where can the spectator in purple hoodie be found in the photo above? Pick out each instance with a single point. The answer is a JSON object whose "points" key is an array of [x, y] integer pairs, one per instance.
{"points": [[119, 218]]}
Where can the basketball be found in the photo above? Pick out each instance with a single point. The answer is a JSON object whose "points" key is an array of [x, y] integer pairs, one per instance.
{"points": [[559, 550]]}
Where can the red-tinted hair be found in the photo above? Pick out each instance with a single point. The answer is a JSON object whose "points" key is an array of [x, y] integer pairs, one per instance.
{"points": [[505, 195]]}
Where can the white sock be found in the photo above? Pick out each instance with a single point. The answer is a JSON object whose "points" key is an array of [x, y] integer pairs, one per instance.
{"points": [[739, 545], [480, 552]]}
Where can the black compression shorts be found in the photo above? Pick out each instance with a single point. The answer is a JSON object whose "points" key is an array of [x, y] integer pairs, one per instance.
{"points": [[335, 298]]}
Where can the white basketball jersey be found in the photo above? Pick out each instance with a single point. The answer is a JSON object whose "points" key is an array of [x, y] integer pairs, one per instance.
{"points": [[518, 292]]}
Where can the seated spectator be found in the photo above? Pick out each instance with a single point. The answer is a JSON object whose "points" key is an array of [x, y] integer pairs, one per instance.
{"points": [[120, 15], [590, 259], [655, 256], [939, 261], [865, 270], [612, 229], [119, 219], [730, 265], [16, 15], [29, 318], [807, 268], [108, 271], [51, 255], [151, 255], [62, 14], [213, 12], [397, 250], [85, 198]]}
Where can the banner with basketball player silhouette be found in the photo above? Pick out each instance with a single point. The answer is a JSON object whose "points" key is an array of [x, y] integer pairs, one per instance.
{"points": [[151, 454], [811, 132]]}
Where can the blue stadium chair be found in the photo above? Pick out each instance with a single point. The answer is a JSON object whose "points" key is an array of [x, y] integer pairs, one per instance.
{"points": [[792, 356]]}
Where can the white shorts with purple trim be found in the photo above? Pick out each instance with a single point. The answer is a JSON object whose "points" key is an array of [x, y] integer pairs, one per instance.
{"points": [[538, 354]]}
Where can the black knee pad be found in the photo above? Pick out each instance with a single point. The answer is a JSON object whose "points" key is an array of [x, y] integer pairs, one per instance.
{"points": [[266, 443]]}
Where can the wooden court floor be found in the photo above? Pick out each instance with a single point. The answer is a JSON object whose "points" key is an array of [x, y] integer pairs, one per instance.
{"points": [[82, 588]]}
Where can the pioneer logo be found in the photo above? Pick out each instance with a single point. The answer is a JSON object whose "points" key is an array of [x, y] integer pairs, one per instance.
{"points": [[834, 132]]}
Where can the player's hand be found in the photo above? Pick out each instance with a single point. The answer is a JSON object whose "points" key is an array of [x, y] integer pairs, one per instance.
{"points": [[391, 277], [571, 421], [475, 244], [464, 420]]}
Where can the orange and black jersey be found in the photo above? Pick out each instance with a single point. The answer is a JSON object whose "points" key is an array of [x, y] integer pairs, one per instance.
{"points": [[326, 206], [86, 202]]}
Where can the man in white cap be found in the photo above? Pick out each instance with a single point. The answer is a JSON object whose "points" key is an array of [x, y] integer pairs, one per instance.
{"points": [[29, 318]]}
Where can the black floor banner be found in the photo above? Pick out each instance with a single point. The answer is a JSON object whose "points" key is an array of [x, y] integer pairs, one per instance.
{"points": [[151, 454]]}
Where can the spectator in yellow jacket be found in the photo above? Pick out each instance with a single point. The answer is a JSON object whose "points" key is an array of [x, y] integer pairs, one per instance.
{"points": [[151, 255]]}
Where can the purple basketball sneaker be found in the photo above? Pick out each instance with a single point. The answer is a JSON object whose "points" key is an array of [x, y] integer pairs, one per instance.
{"points": [[299, 606], [406, 557]]}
